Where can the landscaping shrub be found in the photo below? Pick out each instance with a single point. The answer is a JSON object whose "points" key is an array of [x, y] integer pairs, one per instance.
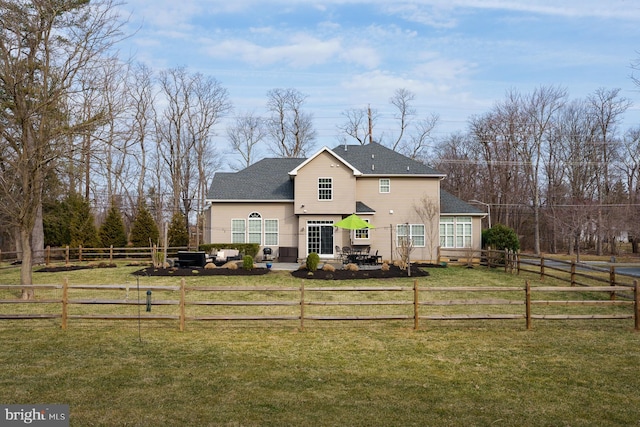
{"points": [[328, 267], [352, 267], [209, 266], [231, 265], [501, 237], [313, 259], [247, 262]]}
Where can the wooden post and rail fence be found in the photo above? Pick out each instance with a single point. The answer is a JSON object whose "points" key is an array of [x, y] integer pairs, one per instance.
{"points": [[303, 304], [569, 271], [81, 254]]}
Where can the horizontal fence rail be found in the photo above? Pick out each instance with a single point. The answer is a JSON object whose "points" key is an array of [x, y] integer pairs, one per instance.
{"points": [[225, 303], [570, 271], [81, 254]]}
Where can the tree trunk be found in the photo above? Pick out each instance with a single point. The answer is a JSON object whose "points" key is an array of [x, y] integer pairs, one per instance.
{"points": [[27, 262], [37, 238]]}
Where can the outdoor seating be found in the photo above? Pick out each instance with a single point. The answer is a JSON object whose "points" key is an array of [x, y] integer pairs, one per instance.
{"points": [[374, 259], [191, 259]]}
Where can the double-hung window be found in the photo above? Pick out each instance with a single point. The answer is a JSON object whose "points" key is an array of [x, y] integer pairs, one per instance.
{"points": [[384, 185], [455, 232], [271, 232], [238, 227], [255, 230], [410, 234], [325, 188]]}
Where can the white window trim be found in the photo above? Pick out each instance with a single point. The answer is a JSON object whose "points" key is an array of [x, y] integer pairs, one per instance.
{"points": [[366, 230], [276, 233], [411, 234], [330, 188], [454, 222], [238, 233], [388, 186]]}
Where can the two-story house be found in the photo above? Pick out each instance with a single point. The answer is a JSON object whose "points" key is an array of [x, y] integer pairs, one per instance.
{"points": [[291, 205]]}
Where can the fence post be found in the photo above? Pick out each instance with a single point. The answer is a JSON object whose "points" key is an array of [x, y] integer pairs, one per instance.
{"points": [[528, 304], [573, 273], [518, 263], [612, 281], [66, 255], [636, 304], [79, 253], [542, 268], [506, 260], [302, 306], [111, 253], [65, 300], [48, 257], [416, 312], [439, 255], [182, 304]]}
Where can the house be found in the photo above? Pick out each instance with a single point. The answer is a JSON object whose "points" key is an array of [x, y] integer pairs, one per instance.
{"points": [[290, 205]]}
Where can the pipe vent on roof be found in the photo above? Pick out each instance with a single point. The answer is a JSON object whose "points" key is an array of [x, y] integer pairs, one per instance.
{"points": [[373, 167]]}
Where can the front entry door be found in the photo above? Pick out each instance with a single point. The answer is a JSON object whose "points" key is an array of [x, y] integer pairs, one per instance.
{"points": [[320, 238]]}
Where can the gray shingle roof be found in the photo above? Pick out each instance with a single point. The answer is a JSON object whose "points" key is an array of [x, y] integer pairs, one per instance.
{"points": [[267, 179], [376, 159], [450, 204]]}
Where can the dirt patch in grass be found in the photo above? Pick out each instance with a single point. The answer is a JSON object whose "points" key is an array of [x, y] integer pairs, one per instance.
{"points": [[393, 272]]}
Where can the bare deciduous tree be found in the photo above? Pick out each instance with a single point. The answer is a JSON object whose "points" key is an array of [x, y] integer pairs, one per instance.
{"points": [[44, 45], [195, 103], [429, 212], [289, 126], [358, 125], [244, 135]]}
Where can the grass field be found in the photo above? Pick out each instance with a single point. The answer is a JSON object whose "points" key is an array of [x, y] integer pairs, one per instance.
{"points": [[455, 373]]}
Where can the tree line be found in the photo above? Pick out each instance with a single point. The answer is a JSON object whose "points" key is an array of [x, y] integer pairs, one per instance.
{"points": [[81, 127]]}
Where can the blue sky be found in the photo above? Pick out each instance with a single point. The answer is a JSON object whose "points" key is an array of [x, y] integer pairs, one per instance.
{"points": [[458, 56]]}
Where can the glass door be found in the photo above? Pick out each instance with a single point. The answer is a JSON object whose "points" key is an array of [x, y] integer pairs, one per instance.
{"points": [[320, 238]]}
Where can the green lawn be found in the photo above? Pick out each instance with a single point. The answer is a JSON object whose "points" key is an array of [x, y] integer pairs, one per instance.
{"points": [[454, 373]]}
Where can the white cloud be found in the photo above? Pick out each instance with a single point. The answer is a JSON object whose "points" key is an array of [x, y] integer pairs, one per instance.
{"points": [[298, 51]]}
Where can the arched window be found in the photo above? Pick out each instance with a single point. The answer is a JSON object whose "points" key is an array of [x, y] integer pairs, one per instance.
{"points": [[255, 228]]}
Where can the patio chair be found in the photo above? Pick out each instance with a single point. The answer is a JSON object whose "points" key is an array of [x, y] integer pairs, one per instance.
{"points": [[374, 259]]}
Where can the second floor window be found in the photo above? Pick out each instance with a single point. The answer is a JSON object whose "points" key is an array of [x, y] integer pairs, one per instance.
{"points": [[385, 185], [325, 188]]}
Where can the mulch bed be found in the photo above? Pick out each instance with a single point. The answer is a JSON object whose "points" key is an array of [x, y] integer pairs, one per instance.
{"points": [[182, 272], [63, 268], [393, 272]]}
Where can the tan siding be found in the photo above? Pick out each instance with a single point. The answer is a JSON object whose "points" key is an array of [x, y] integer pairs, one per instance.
{"points": [[306, 187], [397, 207], [221, 215]]}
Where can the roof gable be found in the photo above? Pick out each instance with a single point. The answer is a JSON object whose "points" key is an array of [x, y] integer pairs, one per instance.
{"points": [[295, 171]]}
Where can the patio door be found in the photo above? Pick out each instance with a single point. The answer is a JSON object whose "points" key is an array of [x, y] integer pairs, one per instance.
{"points": [[320, 238]]}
